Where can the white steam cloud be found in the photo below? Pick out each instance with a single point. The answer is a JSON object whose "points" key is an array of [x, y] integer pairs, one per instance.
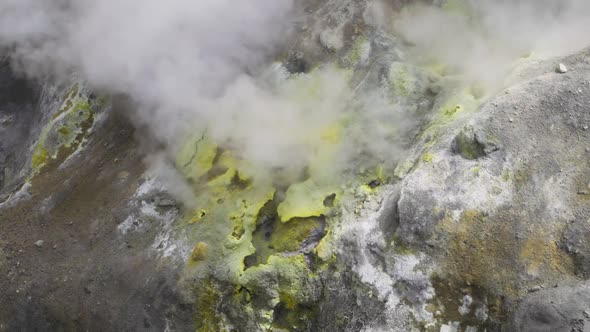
{"points": [[191, 66], [196, 65], [483, 39], [175, 58]]}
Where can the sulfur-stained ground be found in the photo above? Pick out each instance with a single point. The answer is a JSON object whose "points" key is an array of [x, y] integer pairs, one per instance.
{"points": [[84, 276]]}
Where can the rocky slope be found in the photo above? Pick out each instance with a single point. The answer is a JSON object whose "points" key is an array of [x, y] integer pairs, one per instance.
{"points": [[469, 214]]}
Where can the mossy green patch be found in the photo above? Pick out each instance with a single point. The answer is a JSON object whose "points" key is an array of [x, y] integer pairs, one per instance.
{"points": [[259, 243], [40, 157], [325, 250], [359, 52], [273, 237], [483, 251], [452, 110], [64, 131], [408, 83], [291, 316], [467, 146], [71, 122], [283, 277], [476, 170], [462, 101], [427, 157], [449, 110], [400, 247], [196, 157], [207, 316], [285, 291], [449, 301], [71, 95], [229, 197], [402, 82], [197, 216], [66, 128], [305, 199], [289, 236], [199, 252]]}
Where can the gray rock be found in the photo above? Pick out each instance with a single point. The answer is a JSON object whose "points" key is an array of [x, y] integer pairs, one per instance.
{"points": [[165, 202], [6, 119], [561, 68], [39, 243], [483, 195], [575, 241], [472, 144], [561, 309]]}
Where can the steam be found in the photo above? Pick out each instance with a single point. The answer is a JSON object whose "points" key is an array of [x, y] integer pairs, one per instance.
{"points": [[203, 65], [483, 39], [190, 66], [174, 58], [148, 48]]}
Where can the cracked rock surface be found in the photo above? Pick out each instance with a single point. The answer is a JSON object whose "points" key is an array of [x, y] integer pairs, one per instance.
{"points": [[479, 220]]}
